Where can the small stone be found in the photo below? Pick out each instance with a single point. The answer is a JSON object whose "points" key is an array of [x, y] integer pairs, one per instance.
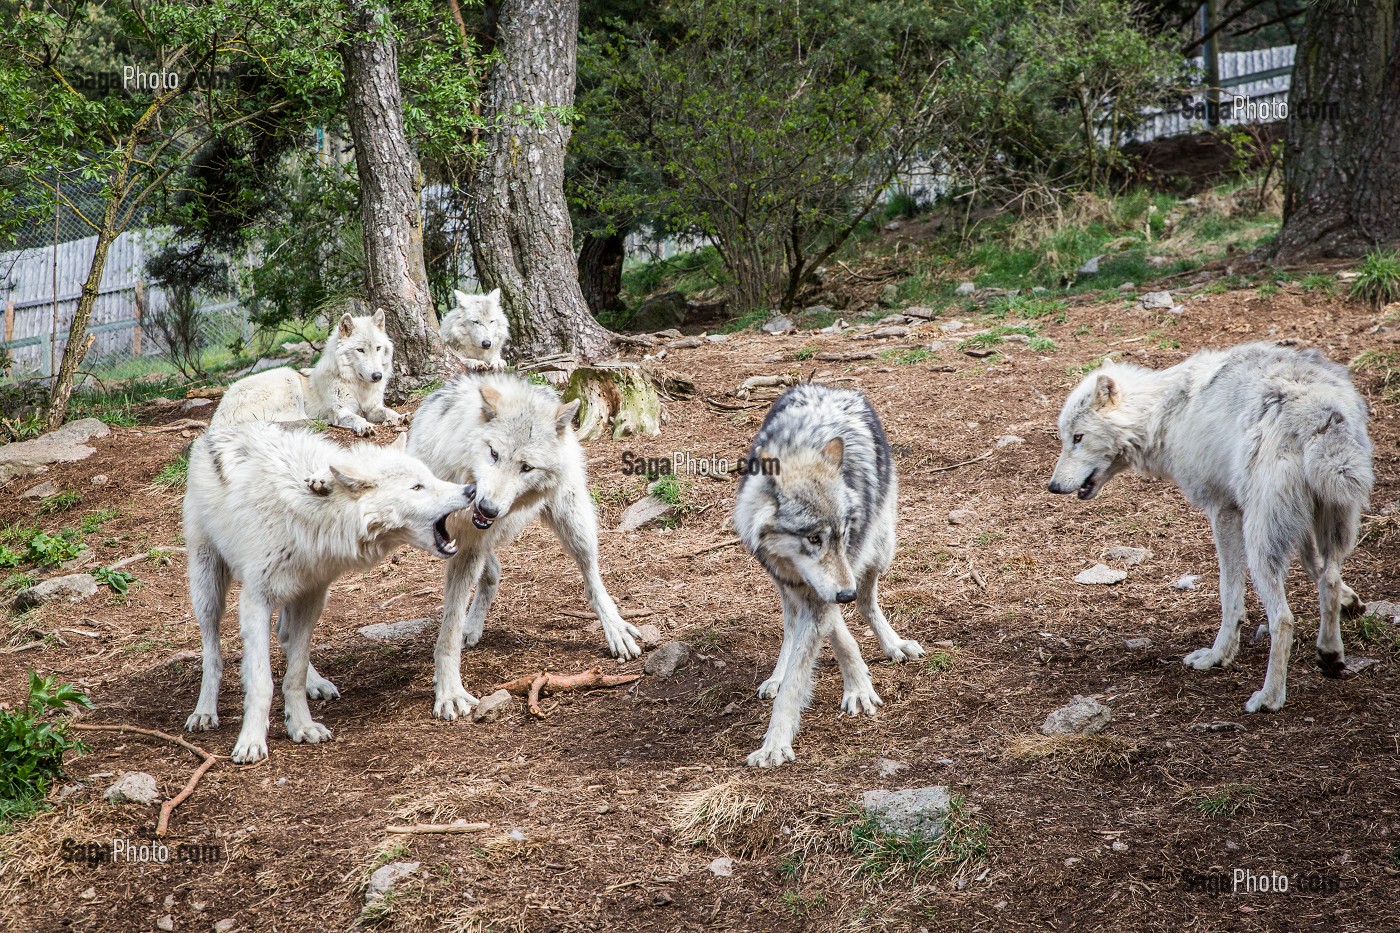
{"points": [[669, 333], [965, 289], [1156, 301], [166, 923], [1383, 609], [935, 346], [1080, 716], [1127, 287], [73, 588], [1119, 846], [884, 333], [192, 404], [650, 636], [662, 898], [919, 811], [169, 901], [722, 867], [812, 311], [1186, 582], [385, 877], [492, 706], [717, 338], [225, 925], [782, 324], [920, 312], [1100, 575], [41, 491], [1132, 556], [101, 479], [1357, 665], [1157, 262], [1137, 644], [949, 327], [88, 894], [1090, 267], [888, 767], [686, 343], [961, 516], [1010, 440], [730, 709], [666, 660], [133, 787], [395, 631]]}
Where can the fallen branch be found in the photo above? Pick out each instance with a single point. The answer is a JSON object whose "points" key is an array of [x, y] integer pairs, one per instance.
{"points": [[725, 406], [954, 466], [705, 550], [625, 613], [184, 424], [536, 685], [169, 806], [430, 828]]}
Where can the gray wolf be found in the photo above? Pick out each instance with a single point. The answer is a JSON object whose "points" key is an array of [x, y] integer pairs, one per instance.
{"points": [[514, 442], [345, 387], [823, 525], [286, 513], [1271, 444], [476, 328]]}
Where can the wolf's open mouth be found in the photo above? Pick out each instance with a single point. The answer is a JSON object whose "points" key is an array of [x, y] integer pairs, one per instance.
{"points": [[479, 520], [1089, 486], [441, 540]]}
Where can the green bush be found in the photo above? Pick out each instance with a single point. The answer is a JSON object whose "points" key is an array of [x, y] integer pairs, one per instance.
{"points": [[34, 747]]}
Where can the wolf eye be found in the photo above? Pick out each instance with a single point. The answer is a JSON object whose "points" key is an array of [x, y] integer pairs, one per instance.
{"points": [[359, 349], [495, 457], [814, 539], [1078, 438], [525, 468], [418, 487]]}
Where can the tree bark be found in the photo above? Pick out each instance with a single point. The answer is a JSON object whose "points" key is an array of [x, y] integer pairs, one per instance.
{"points": [[1377, 206], [390, 185], [1333, 104], [600, 272], [522, 238]]}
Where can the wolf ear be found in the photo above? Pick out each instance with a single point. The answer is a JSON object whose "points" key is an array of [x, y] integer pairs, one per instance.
{"points": [[347, 325], [400, 443], [378, 318], [352, 481], [1106, 393], [834, 452], [564, 416], [461, 297], [494, 295], [490, 402]]}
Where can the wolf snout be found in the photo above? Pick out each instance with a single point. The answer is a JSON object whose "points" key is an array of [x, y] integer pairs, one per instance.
{"points": [[469, 491], [846, 596], [487, 507], [486, 344], [1058, 488], [375, 377]]}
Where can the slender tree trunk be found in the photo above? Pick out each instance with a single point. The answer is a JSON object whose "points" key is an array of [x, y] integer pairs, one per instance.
{"points": [[78, 339], [1333, 108], [600, 272], [522, 238], [390, 185]]}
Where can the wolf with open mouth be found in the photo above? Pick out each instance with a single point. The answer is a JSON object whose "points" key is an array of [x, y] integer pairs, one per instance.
{"points": [[514, 442]]}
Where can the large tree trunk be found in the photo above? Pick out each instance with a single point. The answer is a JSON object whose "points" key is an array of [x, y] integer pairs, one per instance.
{"points": [[1377, 207], [1333, 108], [389, 197], [600, 272], [522, 239]]}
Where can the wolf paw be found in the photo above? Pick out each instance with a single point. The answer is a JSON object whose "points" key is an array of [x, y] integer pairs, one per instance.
{"points": [[449, 706], [1331, 663], [202, 722], [622, 641], [906, 650], [311, 732], [769, 688], [1203, 659], [320, 486], [249, 749], [861, 700], [1264, 702], [771, 756], [319, 688]]}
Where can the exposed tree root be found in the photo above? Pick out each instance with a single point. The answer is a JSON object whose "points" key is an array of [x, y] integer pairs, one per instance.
{"points": [[536, 685], [169, 806]]}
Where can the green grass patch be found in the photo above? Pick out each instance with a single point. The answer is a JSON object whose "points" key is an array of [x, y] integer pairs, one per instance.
{"points": [[59, 502], [48, 550], [882, 855], [94, 520], [1227, 800], [1386, 365], [908, 356], [1315, 282], [34, 742], [174, 473], [1378, 278]]}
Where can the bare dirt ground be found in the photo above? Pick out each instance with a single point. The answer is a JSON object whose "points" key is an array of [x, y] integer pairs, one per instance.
{"points": [[594, 790]]}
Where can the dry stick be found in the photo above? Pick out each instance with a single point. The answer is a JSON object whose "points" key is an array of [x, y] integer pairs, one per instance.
{"points": [[184, 424], [169, 806], [705, 550], [427, 828], [625, 613], [954, 466], [534, 685]]}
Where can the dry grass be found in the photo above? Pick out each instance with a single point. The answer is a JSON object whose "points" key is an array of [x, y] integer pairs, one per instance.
{"points": [[1072, 754], [725, 816]]}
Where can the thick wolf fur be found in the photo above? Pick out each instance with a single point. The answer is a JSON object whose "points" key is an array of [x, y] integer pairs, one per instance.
{"points": [[286, 513], [476, 328], [515, 443], [345, 387], [823, 526], [1271, 444]]}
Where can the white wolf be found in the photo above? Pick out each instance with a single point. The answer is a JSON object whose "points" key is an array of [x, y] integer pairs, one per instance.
{"points": [[1271, 443], [285, 513], [476, 328], [822, 523], [345, 387], [514, 442]]}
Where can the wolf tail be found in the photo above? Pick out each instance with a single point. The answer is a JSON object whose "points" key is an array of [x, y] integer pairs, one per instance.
{"points": [[1337, 462]]}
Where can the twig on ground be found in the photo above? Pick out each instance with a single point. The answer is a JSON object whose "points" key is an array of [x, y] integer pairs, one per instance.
{"points": [[536, 685], [169, 806], [625, 613], [184, 424], [431, 828], [954, 466], [705, 550]]}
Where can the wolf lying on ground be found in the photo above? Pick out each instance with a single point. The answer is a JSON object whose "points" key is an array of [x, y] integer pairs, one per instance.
{"points": [[476, 328], [823, 527], [285, 513], [515, 443], [1271, 443], [345, 387]]}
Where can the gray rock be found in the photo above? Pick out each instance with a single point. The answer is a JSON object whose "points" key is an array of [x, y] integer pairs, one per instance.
{"points": [[493, 706], [722, 867], [73, 588], [643, 511], [101, 479], [666, 660], [920, 312], [1178, 310], [166, 923], [385, 877], [965, 289], [1156, 301], [192, 404], [660, 312], [1127, 287], [1090, 267], [669, 333], [1010, 440], [1383, 609], [1137, 644], [1100, 575], [225, 925], [1132, 556], [889, 295], [133, 787], [1080, 716], [1186, 582], [686, 343], [66, 445], [961, 516], [717, 338], [883, 333], [888, 767], [41, 491], [395, 631], [949, 327], [918, 811], [936, 346], [1357, 665], [893, 319], [1157, 262], [650, 635], [812, 311], [782, 324], [1215, 727]]}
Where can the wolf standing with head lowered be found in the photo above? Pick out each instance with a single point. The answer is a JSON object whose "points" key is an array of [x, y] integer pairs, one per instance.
{"points": [[823, 527], [1271, 443], [286, 513], [515, 443]]}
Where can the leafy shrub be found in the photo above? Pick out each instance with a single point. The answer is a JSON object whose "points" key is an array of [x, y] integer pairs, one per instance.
{"points": [[118, 580], [51, 550], [34, 748]]}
